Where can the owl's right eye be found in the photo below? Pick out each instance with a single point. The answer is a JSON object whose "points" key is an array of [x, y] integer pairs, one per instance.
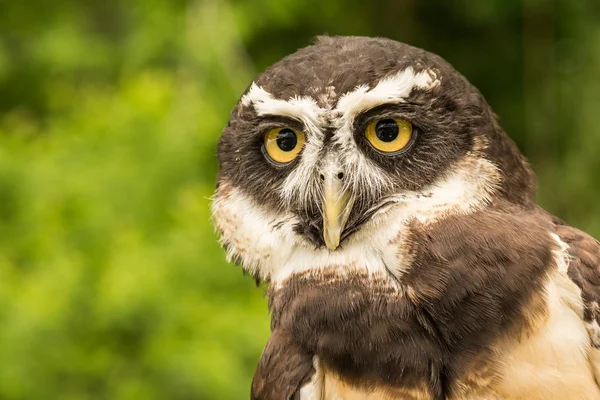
{"points": [[283, 144]]}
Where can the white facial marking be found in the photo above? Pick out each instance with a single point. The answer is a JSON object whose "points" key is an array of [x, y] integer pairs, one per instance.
{"points": [[468, 187], [302, 183], [250, 233], [267, 245]]}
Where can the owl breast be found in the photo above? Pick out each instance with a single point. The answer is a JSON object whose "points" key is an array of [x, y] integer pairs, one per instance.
{"points": [[440, 328], [380, 346]]}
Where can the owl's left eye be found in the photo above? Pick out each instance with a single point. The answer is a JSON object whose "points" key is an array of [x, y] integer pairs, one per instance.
{"points": [[389, 135], [283, 144]]}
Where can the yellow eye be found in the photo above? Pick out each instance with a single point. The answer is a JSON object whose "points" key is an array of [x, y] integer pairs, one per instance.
{"points": [[389, 135], [284, 144]]}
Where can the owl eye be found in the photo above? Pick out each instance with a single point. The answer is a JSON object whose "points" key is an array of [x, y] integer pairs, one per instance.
{"points": [[283, 144], [389, 135]]}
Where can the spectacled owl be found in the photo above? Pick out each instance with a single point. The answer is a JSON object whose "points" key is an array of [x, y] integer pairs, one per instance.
{"points": [[370, 186]]}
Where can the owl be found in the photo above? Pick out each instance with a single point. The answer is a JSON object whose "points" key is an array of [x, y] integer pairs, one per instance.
{"points": [[370, 186]]}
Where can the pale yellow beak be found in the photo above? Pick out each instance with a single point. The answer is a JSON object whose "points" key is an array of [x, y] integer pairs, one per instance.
{"points": [[337, 205]]}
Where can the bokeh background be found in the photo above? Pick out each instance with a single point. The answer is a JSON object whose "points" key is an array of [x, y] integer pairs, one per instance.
{"points": [[112, 284]]}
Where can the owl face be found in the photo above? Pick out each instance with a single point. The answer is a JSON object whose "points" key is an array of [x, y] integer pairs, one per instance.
{"points": [[333, 151]]}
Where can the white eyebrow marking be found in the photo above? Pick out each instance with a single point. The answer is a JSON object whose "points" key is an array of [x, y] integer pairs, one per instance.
{"points": [[389, 90], [304, 109], [392, 89]]}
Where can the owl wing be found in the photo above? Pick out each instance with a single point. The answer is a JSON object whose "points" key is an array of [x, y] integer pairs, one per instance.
{"points": [[584, 270], [282, 370]]}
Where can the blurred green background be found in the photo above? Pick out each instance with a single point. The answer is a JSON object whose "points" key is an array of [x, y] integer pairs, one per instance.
{"points": [[112, 284]]}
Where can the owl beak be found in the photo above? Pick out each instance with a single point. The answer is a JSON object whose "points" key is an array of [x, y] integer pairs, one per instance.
{"points": [[337, 204]]}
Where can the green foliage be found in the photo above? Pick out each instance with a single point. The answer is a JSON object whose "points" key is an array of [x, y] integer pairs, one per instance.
{"points": [[113, 284]]}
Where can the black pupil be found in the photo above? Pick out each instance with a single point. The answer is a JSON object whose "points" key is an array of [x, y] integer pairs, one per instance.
{"points": [[286, 140], [387, 130]]}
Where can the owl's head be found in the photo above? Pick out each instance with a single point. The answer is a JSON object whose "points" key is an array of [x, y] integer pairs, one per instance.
{"points": [[334, 150]]}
